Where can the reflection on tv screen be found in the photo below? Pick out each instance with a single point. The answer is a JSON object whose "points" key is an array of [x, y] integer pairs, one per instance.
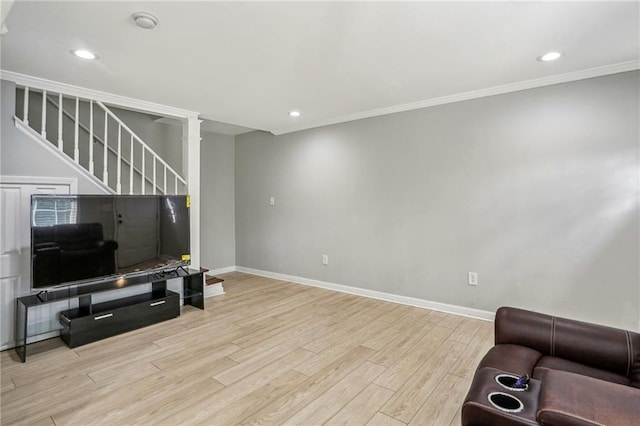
{"points": [[89, 237]]}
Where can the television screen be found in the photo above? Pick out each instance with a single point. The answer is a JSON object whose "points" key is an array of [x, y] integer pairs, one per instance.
{"points": [[78, 238]]}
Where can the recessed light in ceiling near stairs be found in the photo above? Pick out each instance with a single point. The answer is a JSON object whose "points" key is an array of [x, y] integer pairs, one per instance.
{"points": [[145, 20], [84, 54], [550, 56]]}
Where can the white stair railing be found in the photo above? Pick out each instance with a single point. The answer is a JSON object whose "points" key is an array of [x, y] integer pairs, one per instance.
{"points": [[96, 140], [125, 157]]}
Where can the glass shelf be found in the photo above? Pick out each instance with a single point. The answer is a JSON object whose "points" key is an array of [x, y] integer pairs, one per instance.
{"points": [[189, 293], [43, 327]]}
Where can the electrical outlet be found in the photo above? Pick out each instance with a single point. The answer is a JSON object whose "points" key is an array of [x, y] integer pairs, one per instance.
{"points": [[472, 278], [325, 259], [272, 201]]}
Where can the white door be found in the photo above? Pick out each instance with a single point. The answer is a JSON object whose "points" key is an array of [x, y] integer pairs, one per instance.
{"points": [[15, 245]]}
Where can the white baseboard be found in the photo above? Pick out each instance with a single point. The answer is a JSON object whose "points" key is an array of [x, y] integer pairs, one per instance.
{"points": [[373, 294]]}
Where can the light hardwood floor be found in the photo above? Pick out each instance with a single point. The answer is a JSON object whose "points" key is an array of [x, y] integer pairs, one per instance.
{"points": [[266, 352]]}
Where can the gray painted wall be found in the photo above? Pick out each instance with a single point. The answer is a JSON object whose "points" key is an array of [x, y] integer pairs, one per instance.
{"points": [[537, 191], [165, 139], [217, 198]]}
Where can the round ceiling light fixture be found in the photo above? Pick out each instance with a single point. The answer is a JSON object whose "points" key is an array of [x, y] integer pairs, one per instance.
{"points": [[550, 56], [84, 54], [145, 20], [294, 113]]}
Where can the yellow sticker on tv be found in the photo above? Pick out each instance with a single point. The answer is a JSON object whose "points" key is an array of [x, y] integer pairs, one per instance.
{"points": [[186, 257], [188, 202]]}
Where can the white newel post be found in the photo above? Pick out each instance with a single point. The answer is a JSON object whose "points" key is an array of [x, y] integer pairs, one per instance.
{"points": [[191, 166]]}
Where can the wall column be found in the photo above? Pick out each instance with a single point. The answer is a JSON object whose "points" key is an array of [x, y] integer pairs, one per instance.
{"points": [[191, 168]]}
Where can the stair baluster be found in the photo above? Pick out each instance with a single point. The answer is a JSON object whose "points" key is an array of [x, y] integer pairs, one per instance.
{"points": [[51, 101], [76, 147], [25, 114], [105, 172], [142, 182], [164, 187], [119, 162], [91, 165], [131, 168], [43, 129], [60, 141], [154, 175]]}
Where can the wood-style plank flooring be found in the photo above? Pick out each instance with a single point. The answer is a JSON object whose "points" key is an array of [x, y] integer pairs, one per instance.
{"points": [[266, 352]]}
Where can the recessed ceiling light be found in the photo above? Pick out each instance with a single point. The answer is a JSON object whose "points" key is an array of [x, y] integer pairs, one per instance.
{"points": [[294, 113], [550, 56], [145, 20], [84, 54]]}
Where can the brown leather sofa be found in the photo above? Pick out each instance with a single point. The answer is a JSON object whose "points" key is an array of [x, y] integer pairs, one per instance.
{"points": [[581, 374]]}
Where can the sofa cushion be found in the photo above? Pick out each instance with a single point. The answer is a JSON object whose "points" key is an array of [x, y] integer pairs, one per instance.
{"points": [[513, 359], [547, 363], [573, 399]]}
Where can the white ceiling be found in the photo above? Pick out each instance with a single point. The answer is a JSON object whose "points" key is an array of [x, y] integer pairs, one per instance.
{"points": [[248, 64]]}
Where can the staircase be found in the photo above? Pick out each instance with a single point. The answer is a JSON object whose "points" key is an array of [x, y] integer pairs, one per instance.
{"points": [[92, 138]]}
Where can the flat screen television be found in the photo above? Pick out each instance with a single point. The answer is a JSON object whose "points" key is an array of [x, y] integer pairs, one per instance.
{"points": [[86, 238]]}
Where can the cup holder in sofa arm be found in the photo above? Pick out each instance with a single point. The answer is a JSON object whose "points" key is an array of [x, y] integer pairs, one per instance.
{"points": [[508, 380], [505, 402]]}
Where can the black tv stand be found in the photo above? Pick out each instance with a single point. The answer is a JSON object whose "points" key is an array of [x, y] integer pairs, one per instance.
{"points": [[91, 321]]}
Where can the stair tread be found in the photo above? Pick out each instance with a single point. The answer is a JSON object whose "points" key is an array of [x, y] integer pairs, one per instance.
{"points": [[213, 280]]}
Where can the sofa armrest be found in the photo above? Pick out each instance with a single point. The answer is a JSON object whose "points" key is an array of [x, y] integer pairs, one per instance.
{"points": [[568, 399]]}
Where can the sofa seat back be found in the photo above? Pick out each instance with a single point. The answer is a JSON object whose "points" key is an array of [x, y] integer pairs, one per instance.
{"points": [[606, 348]]}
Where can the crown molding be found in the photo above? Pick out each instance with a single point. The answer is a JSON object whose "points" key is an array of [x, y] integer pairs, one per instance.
{"points": [[491, 91], [82, 92]]}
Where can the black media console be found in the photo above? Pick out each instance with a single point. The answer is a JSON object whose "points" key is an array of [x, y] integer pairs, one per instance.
{"points": [[90, 321]]}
